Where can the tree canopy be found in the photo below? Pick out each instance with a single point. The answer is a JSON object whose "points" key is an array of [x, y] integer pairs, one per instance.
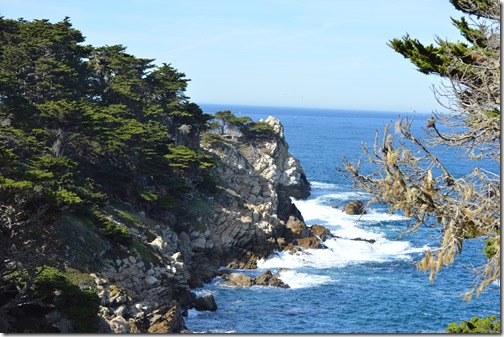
{"points": [[80, 125], [410, 177]]}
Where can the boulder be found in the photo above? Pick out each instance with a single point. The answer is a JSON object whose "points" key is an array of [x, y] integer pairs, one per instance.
{"points": [[205, 303], [355, 207], [264, 279], [320, 232], [311, 242], [170, 321], [275, 280], [238, 280], [268, 279], [119, 325], [297, 227]]}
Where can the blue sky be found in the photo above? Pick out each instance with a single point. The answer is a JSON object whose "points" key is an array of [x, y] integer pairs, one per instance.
{"points": [[300, 53]]}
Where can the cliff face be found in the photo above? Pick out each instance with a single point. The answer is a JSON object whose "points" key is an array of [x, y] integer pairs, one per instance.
{"points": [[145, 285], [250, 214]]}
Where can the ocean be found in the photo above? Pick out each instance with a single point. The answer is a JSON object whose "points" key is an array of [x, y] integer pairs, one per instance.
{"points": [[354, 286]]}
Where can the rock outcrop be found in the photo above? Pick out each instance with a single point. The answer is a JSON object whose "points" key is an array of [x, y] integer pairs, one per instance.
{"points": [[265, 279], [249, 217], [355, 207], [259, 177]]}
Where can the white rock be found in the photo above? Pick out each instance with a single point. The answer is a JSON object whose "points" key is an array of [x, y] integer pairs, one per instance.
{"points": [[120, 311], [176, 256], [119, 325], [158, 243]]}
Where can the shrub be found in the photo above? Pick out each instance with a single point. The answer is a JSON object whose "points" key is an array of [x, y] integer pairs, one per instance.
{"points": [[258, 130], [476, 325], [80, 306]]}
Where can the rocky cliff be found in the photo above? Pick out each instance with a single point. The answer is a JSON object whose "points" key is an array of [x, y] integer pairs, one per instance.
{"points": [[144, 284], [258, 178]]}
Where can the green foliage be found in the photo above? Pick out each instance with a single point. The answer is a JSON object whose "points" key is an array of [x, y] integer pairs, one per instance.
{"points": [[224, 117], [492, 247], [82, 124], [184, 158], [476, 325], [211, 138], [144, 252], [261, 130], [80, 306], [149, 195], [109, 228]]}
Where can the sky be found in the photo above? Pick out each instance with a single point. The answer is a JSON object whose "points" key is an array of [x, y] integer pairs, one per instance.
{"points": [[293, 53]]}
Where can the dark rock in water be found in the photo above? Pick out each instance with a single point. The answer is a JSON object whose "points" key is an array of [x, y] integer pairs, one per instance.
{"points": [[367, 240], [268, 279], [320, 232], [205, 303], [275, 281], [355, 207], [357, 239]]}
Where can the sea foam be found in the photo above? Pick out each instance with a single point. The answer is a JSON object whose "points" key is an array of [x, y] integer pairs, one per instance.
{"points": [[352, 242]]}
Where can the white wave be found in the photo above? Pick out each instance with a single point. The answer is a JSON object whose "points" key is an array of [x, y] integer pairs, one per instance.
{"points": [[324, 197], [340, 253], [343, 250], [323, 186], [296, 279], [340, 223]]}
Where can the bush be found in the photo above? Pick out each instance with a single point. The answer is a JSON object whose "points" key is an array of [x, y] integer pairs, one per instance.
{"points": [[212, 139], [259, 130], [80, 306], [476, 325]]}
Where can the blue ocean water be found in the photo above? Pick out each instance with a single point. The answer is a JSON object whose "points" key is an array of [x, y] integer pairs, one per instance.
{"points": [[355, 286]]}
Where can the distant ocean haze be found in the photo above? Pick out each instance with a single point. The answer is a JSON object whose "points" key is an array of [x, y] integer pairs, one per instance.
{"points": [[353, 286]]}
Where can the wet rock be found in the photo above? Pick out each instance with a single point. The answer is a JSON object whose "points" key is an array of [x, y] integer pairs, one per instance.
{"points": [[238, 280], [205, 303], [311, 242], [355, 207], [366, 240], [264, 279], [320, 232], [297, 227], [268, 279]]}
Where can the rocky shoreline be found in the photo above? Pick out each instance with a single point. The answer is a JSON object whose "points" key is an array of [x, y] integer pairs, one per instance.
{"points": [[146, 287], [250, 217]]}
